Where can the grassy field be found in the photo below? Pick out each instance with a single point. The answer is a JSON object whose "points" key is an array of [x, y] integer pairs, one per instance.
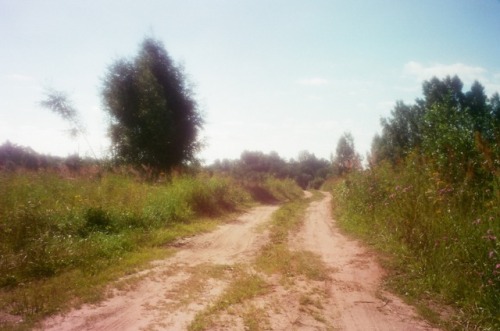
{"points": [[63, 238]]}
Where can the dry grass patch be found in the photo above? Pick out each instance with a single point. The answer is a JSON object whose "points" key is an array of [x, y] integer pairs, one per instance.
{"points": [[245, 285]]}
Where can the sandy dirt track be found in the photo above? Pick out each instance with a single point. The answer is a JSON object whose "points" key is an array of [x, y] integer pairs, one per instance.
{"points": [[356, 300], [170, 294]]}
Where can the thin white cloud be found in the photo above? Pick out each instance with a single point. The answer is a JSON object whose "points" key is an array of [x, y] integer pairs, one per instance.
{"points": [[466, 73], [315, 81], [20, 78]]}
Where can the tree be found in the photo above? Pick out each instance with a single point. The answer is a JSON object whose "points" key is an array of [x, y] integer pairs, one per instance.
{"points": [[309, 171], [400, 133], [455, 132], [346, 159], [154, 118]]}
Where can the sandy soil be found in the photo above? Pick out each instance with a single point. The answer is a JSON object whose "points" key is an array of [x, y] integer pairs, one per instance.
{"points": [[356, 299], [170, 294]]}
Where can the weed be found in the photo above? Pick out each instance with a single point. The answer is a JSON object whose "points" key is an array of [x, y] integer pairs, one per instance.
{"points": [[255, 319]]}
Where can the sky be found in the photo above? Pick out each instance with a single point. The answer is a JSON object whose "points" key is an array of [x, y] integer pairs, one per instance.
{"points": [[269, 75]]}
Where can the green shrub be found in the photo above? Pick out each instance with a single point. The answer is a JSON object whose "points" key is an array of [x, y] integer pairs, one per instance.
{"points": [[445, 236]]}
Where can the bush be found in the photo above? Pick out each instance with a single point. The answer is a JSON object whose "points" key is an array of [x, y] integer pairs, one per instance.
{"points": [[445, 236]]}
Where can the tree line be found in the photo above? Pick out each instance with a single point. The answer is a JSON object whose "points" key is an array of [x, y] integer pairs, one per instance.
{"points": [[155, 122], [455, 133]]}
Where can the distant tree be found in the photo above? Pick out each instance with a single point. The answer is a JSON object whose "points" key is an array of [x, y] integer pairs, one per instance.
{"points": [[13, 156], [154, 118], [258, 164], [400, 133], [456, 133], [494, 104], [346, 159], [403, 131], [309, 171], [447, 90]]}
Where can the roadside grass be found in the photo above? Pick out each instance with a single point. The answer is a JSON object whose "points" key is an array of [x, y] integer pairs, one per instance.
{"points": [[440, 240], [271, 190], [63, 238]]}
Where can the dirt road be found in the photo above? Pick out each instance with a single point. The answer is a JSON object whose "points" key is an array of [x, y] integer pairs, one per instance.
{"points": [[168, 296], [356, 299]]}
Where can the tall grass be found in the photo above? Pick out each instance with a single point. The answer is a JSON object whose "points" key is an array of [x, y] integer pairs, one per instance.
{"points": [[272, 190], [444, 236], [49, 223], [53, 226]]}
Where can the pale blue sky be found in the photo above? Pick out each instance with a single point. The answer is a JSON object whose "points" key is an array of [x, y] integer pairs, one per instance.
{"points": [[280, 76]]}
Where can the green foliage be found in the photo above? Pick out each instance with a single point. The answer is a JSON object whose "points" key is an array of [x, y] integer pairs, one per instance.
{"points": [[446, 123], [444, 237], [346, 159], [283, 189], [401, 133], [308, 171], [449, 144], [154, 118], [432, 197]]}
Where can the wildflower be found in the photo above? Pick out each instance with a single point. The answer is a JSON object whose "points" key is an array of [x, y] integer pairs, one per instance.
{"points": [[497, 266], [491, 254], [476, 222], [489, 235], [408, 188]]}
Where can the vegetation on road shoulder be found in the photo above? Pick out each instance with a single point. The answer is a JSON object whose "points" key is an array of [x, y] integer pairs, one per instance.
{"points": [[62, 238]]}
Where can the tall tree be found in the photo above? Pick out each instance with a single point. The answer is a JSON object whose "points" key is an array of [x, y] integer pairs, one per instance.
{"points": [[154, 117], [346, 159]]}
